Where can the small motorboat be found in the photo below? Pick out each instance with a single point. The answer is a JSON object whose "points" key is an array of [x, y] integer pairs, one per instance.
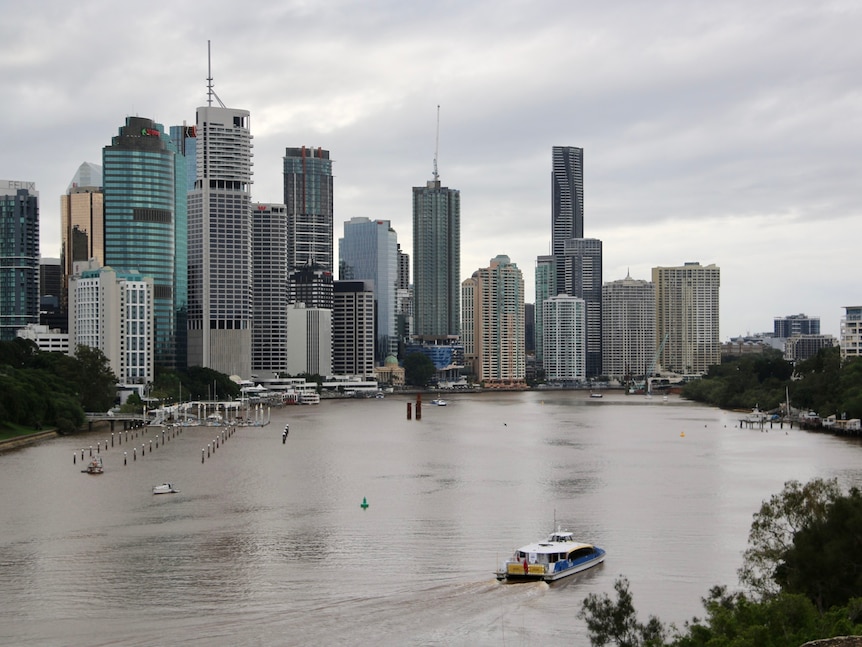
{"points": [[555, 558], [439, 402], [165, 488], [94, 466], [595, 395]]}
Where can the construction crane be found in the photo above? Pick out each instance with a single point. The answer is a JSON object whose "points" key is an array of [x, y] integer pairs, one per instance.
{"points": [[653, 363]]}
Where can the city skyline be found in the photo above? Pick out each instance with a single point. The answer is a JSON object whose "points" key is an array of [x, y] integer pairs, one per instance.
{"points": [[726, 135]]}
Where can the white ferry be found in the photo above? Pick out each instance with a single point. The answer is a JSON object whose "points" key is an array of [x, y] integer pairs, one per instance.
{"points": [[555, 558]]}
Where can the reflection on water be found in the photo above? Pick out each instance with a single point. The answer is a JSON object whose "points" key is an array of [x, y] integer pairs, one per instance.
{"points": [[267, 543]]}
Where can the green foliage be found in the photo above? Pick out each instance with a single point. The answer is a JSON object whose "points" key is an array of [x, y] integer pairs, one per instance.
{"points": [[774, 527], [615, 621], [743, 382], [823, 383], [418, 369], [803, 566], [97, 384], [197, 383], [785, 620], [39, 390], [824, 561]]}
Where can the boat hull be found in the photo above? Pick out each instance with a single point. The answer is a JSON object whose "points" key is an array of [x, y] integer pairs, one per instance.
{"points": [[514, 571]]}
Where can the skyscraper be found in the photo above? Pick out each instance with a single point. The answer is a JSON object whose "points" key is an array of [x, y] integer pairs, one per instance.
{"points": [[269, 333], [546, 286], [309, 200], [628, 327], [687, 313], [567, 203], [220, 226], [353, 328], [436, 261], [493, 317], [82, 222], [369, 250], [19, 256], [582, 277], [144, 191]]}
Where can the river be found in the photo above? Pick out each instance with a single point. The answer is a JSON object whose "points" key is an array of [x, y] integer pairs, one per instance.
{"points": [[267, 542]]}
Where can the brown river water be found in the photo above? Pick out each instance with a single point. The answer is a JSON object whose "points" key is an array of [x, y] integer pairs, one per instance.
{"points": [[267, 542]]}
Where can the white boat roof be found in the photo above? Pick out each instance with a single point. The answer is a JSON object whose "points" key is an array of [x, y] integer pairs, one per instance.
{"points": [[557, 542]]}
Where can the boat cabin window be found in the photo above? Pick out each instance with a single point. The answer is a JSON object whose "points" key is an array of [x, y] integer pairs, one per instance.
{"points": [[580, 552]]}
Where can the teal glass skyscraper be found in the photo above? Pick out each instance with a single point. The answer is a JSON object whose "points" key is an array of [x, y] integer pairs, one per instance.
{"points": [[144, 198], [19, 257], [437, 261]]}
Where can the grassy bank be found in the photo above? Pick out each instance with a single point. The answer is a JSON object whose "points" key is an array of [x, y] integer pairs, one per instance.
{"points": [[9, 431]]}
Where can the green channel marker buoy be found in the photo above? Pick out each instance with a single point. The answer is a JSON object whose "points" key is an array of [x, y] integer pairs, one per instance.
{"points": [[364, 504]]}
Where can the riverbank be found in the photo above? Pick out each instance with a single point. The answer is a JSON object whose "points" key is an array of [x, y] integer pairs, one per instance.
{"points": [[26, 439]]}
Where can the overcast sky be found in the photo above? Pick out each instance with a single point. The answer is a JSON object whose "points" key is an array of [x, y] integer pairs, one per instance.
{"points": [[719, 132]]}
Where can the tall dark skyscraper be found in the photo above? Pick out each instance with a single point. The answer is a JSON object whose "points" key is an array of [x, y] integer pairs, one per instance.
{"points": [[308, 197], [142, 198], [19, 257], [437, 261], [567, 202]]}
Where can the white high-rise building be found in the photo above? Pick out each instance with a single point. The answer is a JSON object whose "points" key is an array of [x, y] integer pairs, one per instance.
{"points": [[220, 243], [687, 314], [628, 327], [113, 311], [564, 339], [851, 332], [309, 348], [353, 329]]}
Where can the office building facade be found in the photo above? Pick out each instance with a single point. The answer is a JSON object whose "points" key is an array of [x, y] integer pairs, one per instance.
{"points": [[271, 289], [628, 328], [220, 243], [309, 200], [353, 328], [436, 261], [82, 223], [144, 193], [687, 314], [309, 345], [369, 251], [19, 257], [546, 285]]}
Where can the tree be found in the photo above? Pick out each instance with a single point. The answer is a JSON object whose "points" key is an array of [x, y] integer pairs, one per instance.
{"points": [[771, 535], [418, 369], [824, 562], [97, 384], [615, 621]]}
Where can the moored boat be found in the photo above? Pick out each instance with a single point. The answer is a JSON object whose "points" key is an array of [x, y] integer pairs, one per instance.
{"points": [[555, 558], [165, 488]]}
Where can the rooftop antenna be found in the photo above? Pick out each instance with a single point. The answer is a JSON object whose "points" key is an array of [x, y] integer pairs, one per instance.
{"points": [[437, 145], [210, 92]]}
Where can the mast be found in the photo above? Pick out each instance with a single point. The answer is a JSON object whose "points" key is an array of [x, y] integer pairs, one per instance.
{"points": [[437, 145]]}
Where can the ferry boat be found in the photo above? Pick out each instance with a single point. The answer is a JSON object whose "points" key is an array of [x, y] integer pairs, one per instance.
{"points": [[94, 466], [555, 558]]}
